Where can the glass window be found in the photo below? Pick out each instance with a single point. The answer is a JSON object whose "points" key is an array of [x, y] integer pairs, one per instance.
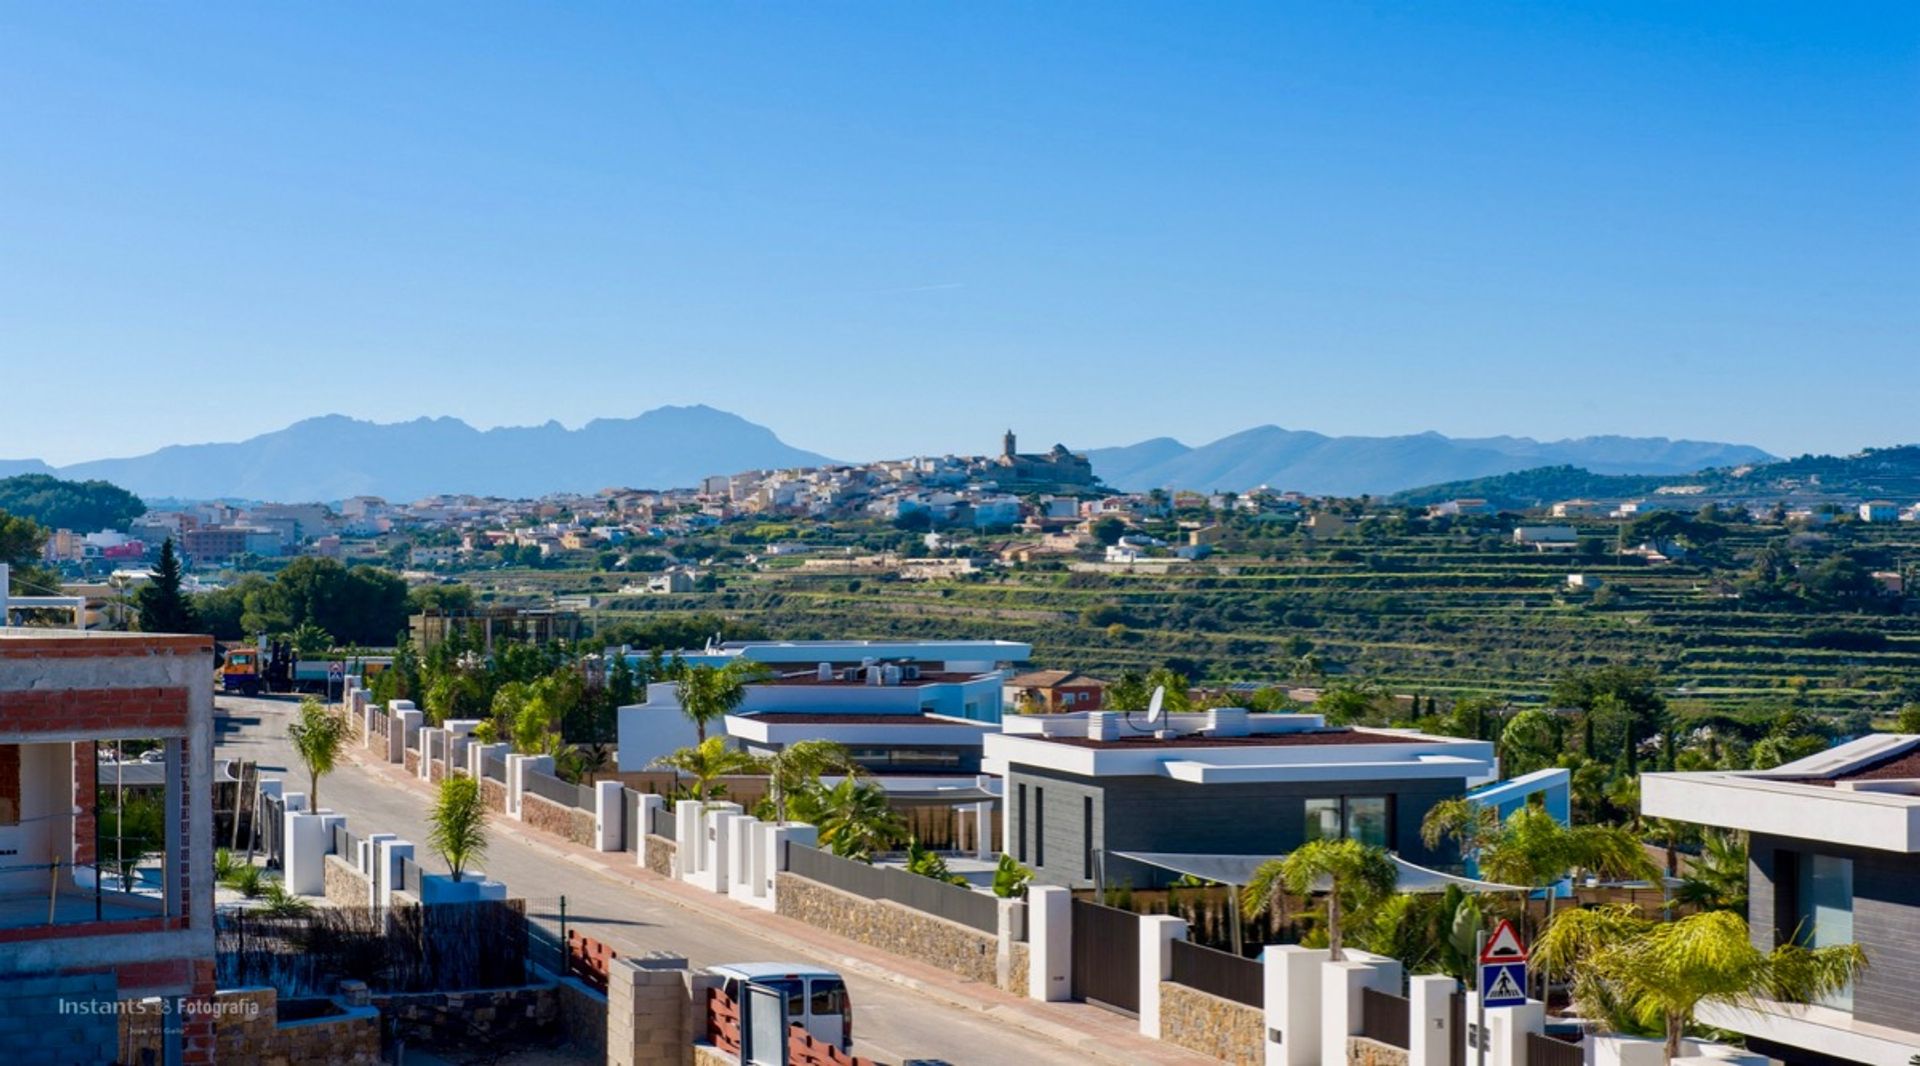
{"points": [[1367, 820], [1020, 815], [829, 996], [1039, 826], [793, 989], [1323, 819], [1826, 910]]}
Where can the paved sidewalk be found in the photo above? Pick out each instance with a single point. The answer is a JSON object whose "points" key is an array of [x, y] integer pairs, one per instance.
{"points": [[1090, 1030]]}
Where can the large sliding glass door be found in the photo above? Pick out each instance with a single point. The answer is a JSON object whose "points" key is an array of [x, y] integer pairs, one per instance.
{"points": [[1826, 911]]}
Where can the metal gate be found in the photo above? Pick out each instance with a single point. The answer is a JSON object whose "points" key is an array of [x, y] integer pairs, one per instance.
{"points": [[1106, 956], [1457, 1007], [1546, 1051]]}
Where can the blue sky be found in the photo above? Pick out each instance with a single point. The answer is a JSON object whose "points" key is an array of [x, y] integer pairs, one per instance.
{"points": [[884, 229]]}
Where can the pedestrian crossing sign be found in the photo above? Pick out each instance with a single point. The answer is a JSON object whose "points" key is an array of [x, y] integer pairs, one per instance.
{"points": [[1503, 984]]}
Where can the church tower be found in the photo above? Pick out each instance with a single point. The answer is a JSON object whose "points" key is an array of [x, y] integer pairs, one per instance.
{"points": [[1006, 445]]}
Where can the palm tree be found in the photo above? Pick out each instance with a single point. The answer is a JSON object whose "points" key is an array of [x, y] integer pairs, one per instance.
{"points": [[318, 736], [457, 826], [857, 822], [709, 693], [801, 765], [1357, 875], [708, 761], [1717, 880], [1533, 849], [1648, 975]]}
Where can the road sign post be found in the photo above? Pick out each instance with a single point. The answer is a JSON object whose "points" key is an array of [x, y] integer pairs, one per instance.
{"points": [[1503, 971]]}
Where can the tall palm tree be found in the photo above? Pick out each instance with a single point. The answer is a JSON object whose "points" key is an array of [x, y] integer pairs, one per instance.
{"points": [[800, 765], [1533, 848], [1355, 876], [708, 761], [710, 693], [1653, 976], [318, 737], [856, 821]]}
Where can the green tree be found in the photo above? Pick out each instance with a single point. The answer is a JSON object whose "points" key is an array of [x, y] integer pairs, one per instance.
{"points": [[1108, 530], [1354, 876], [856, 822], [1644, 975], [318, 737], [457, 825], [710, 693], [20, 542], [707, 762], [1010, 878], [83, 506], [1717, 879], [928, 863], [1908, 720], [799, 766], [163, 608]]}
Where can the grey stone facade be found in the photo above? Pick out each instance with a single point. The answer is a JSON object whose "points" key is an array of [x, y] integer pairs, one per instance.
{"points": [[1886, 918], [1161, 814]]}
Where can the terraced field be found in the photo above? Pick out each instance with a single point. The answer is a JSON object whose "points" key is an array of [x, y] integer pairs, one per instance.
{"points": [[1434, 614]]}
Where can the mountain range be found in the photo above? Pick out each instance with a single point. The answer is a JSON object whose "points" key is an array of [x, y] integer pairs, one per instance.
{"points": [[334, 457], [1315, 463]]}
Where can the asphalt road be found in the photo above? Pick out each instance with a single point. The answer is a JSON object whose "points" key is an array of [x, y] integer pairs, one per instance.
{"points": [[891, 1023]]}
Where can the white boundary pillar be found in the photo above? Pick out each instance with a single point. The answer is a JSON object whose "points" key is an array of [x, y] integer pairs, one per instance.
{"points": [[1049, 943], [1157, 934]]}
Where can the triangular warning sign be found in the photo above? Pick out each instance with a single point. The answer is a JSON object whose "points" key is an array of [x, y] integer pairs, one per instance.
{"points": [[1504, 986], [1504, 945]]}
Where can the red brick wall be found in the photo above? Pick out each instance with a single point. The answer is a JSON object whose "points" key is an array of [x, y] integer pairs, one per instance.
{"points": [[126, 712], [86, 796]]}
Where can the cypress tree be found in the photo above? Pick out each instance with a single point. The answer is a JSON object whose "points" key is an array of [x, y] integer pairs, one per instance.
{"points": [[163, 607]]}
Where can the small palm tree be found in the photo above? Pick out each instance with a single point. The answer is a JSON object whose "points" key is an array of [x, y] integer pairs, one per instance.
{"points": [[1652, 976], [710, 693], [708, 761], [1717, 881], [1010, 878], [800, 766], [318, 737], [457, 825], [1356, 876], [857, 821]]}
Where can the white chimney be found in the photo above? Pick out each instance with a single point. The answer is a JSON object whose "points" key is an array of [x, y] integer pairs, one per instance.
{"points": [[1103, 725], [1227, 722], [825, 672]]}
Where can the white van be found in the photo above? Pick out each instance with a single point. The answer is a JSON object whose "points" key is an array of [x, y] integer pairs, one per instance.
{"points": [[817, 999]]}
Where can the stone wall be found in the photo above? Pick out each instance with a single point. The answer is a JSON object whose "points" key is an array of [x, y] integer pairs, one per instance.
{"points": [[436, 770], [346, 885], [1017, 969], [247, 1028], [1206, 1023], [890, 926], [659, 854], [708, 1055], [480, 1021], [583, 1017], [493, 794], [411, 760], [1362, 1051], [569, 823]]}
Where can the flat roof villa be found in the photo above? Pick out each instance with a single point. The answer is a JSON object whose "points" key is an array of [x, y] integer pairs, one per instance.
{"points": [[1083, 788], [1833, 857], [897, 704]]}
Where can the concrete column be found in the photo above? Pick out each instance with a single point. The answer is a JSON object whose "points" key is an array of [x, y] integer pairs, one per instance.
{"points": [[1340, 985], [686, 830], [1157, 934], [478, 754], [1507, 1029], [1430, 1026], [607, 815], [1049, 943], [391, 852], [647, 1011], [368, 863], [983, 822], [459, 739], [716, 845], [1293, 1004], [309, 839], [772, 857], [429, 735], [649, 803], [740, 857], [1010, 929], [403, 722]]}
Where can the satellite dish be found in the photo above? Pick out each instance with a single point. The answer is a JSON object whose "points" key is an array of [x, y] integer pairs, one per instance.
{"points": [[1155, 703]]}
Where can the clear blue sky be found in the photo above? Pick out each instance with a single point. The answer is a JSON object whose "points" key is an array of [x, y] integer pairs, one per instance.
{"points": [[885, 229]]}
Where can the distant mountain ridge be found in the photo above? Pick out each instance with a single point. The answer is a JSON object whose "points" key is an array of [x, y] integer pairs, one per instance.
{"points": [[1892, 473], [333, 457], [1315, 463]]}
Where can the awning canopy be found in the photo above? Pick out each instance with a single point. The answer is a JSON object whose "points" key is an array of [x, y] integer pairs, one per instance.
{"points": [[1238, 870]]}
